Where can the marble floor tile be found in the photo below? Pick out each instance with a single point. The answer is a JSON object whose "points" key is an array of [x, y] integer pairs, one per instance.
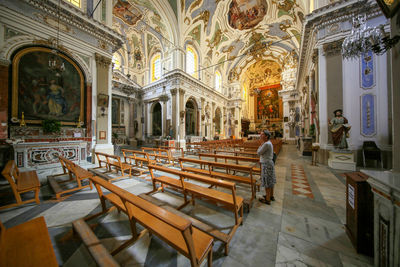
{"points": [[66, 212], [295, 230]]}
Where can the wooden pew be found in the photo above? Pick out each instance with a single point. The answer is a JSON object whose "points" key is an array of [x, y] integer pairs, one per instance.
{"points": [[136, 159], [21, 182], [75, 173], [176, 231], [229, 201], [27, 244], [98, 252], [159, 154], [224, 176], [228, 157], [101, 158], [114, 162]]}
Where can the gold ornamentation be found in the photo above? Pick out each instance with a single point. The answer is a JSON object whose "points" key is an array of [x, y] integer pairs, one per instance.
{"points": [[102, 60]]}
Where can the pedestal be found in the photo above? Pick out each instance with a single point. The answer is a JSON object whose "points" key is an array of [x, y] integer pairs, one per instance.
{"points": [[341, 160]]}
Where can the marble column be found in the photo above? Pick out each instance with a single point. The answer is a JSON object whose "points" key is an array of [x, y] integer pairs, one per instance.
{"points": [[223, 125], [131, 121], [175, 113], [147, 118], [164, 118], [212, 130], [182, 133], [395, 60], [103, 78], [4, 66], [202, 117]]}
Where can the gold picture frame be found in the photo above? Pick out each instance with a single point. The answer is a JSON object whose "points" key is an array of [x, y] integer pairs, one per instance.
{"points": [[43, 94]]}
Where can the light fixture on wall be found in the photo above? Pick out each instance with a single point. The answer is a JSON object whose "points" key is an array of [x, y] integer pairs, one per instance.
{"points": [[55, 63], [364, 39]]}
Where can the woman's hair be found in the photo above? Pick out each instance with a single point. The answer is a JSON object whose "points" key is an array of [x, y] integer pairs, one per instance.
{"points": [[267, 133]]}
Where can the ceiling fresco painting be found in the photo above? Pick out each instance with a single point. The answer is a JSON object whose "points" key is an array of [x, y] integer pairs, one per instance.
{"points": [[245, 14], [125, 11], [232, 36]]}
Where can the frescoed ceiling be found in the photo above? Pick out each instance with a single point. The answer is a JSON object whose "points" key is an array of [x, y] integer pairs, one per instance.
{"points": [[244, 32], [241, 35]]}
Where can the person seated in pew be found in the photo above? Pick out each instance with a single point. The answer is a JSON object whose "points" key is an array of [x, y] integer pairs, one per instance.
{"points": [[268, 179]]}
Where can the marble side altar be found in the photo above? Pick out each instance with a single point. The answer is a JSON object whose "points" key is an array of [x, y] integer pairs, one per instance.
{"points": [[385, 186], [35, 150]]}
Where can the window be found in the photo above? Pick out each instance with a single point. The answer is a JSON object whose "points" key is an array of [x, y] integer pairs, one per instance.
{"points": [[156, 68], [116, 63], [218, 81], [191, 62], [76, 3]]}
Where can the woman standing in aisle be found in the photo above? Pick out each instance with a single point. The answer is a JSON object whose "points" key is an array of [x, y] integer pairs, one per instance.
{"points": [[268, 179]]}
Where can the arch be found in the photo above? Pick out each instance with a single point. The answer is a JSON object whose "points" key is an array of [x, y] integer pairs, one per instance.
{"points": [[156, 125], [191, 117], [19, 42], [38, 74]]}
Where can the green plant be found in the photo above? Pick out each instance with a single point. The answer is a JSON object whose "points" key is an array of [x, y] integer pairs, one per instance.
{"points": [[51, 126], [115, 135]]}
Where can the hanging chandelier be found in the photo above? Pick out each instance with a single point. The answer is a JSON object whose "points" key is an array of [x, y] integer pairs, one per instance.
{"points": [[364, 39], [55, 62]]}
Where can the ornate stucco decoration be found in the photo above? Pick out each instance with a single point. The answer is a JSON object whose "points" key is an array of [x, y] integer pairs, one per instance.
{"points": [[78, 19], [102, 60]]}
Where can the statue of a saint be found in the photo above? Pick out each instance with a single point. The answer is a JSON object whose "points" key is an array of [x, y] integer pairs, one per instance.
{"points": [[339, 129]]}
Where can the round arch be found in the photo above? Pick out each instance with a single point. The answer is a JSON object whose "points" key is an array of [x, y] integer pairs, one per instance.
{"points": [[156, 123], [191, 117]]}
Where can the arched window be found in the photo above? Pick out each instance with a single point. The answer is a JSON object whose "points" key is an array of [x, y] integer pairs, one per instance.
{"points": [[218, 81], [76, 3], [191, 62], [116, 63], [156, 67]]}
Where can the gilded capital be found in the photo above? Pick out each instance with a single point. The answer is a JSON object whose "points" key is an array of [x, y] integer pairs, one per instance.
{"points": [[173, 91], [102, 60], [181, 91]]}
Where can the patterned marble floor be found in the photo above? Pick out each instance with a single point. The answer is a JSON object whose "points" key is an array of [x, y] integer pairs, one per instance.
{"points": [[303, 227]]}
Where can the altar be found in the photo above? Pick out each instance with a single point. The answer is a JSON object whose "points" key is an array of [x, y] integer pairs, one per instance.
{"points": [[35, 150], [43, 155]]}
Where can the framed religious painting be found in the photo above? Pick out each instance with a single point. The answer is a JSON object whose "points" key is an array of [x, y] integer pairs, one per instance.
{"points": [[102, 100], [47, 85], [389, 7]]}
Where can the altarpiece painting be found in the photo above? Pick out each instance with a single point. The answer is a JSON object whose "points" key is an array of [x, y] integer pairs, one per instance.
{"points": [[43, 92]]}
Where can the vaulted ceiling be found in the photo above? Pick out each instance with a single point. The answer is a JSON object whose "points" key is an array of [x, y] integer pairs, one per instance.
{"points": [[238, 37]]}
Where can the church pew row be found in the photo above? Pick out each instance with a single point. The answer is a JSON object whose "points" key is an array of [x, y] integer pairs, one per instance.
{"points": [[159, 155], [176, 231], [210, 171], [76, 175], [230, 201], [21, 182], [113, 162], [27, 244], [137, 159]]}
